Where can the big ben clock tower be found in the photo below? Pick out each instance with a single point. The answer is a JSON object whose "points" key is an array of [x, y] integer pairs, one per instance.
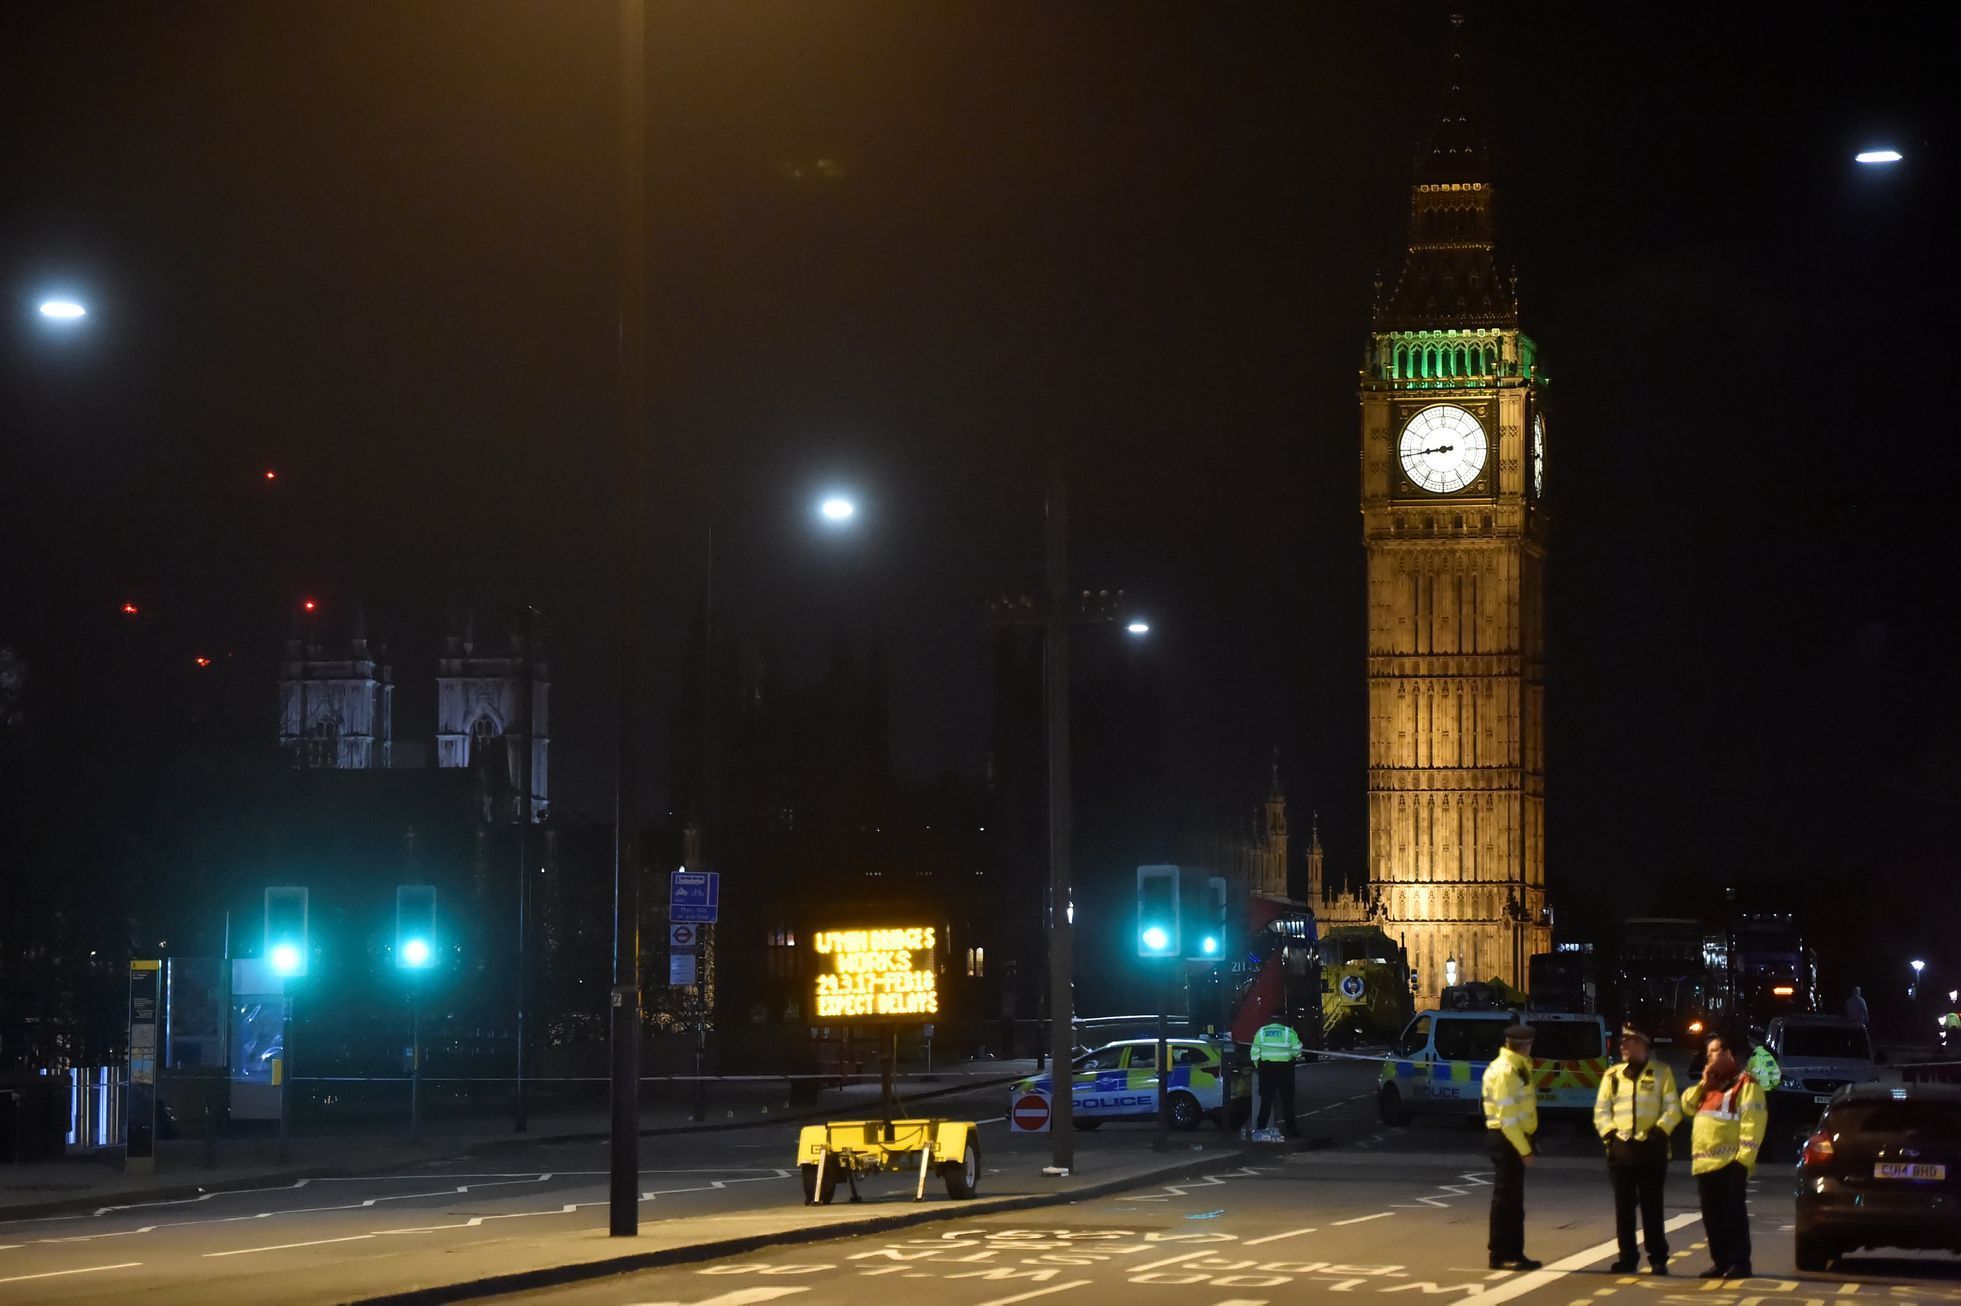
{"points": [[1454, 488]]}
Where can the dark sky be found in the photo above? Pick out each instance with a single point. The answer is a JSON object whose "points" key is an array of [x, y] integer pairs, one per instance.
{"points": [[923, 248]]}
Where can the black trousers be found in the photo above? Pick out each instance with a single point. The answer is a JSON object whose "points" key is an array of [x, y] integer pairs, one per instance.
{"points": [[1638, 1171], [1507, 1199], [1726, 1214], [1277, 1080]]}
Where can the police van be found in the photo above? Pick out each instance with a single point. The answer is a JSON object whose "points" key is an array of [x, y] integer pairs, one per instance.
{"points": [[1118, 1082], [1438, 1064]]}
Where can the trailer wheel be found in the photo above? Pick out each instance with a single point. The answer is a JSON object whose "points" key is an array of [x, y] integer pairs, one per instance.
{"points": [[1389, 1102], [810, 1193], [963, 1176]]}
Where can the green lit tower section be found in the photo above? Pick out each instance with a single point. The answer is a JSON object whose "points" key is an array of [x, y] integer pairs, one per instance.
{"points": [[1453, 478]]}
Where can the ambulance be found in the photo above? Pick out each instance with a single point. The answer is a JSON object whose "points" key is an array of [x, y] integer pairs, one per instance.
{"points": [[1117, 1082], [1438, 1064]]}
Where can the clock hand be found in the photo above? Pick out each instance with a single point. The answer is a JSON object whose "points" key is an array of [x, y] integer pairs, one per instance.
{"points": [[1442, 448]]}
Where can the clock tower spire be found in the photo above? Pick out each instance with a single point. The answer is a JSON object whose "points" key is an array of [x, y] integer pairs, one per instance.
{"points": [[1454, 532]]}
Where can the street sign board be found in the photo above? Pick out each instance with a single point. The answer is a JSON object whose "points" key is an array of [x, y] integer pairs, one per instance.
{"points": [[1030, 1114], [683, 936], [694, 896], [865, 975], [681, 969]]}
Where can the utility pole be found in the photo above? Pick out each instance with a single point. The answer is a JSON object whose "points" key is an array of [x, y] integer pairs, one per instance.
{"points": [[623, 1194], [527, 688], [1062, 962]]}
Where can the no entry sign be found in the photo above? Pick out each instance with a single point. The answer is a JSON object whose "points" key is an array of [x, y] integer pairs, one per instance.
{"points": [[1030, 1114]]}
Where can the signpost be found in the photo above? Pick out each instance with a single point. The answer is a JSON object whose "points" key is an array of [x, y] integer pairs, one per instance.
{"points": [[145, 1006], [694, 899]]}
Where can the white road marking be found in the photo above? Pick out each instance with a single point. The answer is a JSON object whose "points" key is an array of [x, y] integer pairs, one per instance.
{"points": [[1559, 1269], [1455, 1190], [1272, 1238], [1039, 1292], [1379, 1215], [56, 1274], [739, 1297], [1207, 1181], [1158, 1265], [286, 1247]]}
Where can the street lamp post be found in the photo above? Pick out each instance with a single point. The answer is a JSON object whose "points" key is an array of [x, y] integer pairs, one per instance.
{"points": [[623, 1193], [1062, 963]]}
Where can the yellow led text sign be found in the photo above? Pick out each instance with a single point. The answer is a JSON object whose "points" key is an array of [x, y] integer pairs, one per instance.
{"points": [[867, 974]]}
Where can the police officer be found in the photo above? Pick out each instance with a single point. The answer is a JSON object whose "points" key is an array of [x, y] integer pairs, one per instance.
{"points": [[1728, 1124], [1511, 1117], [1635, 1111], [1275, 1049]]}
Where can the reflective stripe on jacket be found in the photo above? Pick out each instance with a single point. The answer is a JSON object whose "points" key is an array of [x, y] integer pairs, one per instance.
{"points": [[1631, 1106], [1728, 1124], [1511, 1104], [1276, 1042]]}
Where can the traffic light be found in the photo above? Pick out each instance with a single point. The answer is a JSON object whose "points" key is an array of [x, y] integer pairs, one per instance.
{"points": [[286, 949], [415, 926], [1157, 911], [1207, 898]]}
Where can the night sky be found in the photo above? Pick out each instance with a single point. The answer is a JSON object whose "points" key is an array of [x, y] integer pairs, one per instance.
{"points": [[920, 249]]}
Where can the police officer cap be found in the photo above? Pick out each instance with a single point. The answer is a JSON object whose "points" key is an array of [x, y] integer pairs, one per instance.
{"points": [[1635, 1031], [1520, 1033]]}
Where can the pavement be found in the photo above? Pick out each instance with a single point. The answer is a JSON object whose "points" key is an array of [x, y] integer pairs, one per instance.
{"points": [[1371, 1210], [324, 1147]]}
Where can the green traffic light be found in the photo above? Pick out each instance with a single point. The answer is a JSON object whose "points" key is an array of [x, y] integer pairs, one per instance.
{"points": [[1209, 945], [286, 959], [1156, 939], [415, 952]]}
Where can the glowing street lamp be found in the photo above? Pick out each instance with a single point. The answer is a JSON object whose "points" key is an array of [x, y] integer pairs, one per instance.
{"points": [[837, 509], [63, 310], [1139, 627], [1873, 158]]}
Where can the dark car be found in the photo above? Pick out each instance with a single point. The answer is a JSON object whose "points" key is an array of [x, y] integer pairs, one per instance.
{"points": [[1883, 1169]]}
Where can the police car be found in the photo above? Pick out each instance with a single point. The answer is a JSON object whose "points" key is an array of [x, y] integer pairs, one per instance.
{"points": [[1117, 1082], [1438, 1064]]}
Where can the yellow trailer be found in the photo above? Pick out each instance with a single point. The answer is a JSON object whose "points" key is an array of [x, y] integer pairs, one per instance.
{"points": [[849, 1148]]}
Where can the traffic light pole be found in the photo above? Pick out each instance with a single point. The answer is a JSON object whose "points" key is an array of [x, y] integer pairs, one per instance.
{"points": [[286, 1068], [1163, 1141], [415, 1066], [623, 1193], [1062, 965]]}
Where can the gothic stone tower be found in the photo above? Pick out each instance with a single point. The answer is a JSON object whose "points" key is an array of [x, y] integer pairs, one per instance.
{"points": [[1453, 478], [336, 711], [491, 707]]}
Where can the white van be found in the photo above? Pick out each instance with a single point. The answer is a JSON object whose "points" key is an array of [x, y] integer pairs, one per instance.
{"points": [[1438, 1063], [1818, 1055]]}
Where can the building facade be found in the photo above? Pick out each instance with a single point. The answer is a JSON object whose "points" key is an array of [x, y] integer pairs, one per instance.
{"points": [[1453, 490], [336, 708], [493, 708]]}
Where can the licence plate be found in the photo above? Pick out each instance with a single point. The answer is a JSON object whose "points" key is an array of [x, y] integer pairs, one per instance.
{"points": [[1902, 1170], [1821, 1097]]}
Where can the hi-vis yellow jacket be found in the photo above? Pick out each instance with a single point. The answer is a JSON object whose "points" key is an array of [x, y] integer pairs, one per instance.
{"points": [[1729, 1124], [1631, 1105], [1511, 1104]]}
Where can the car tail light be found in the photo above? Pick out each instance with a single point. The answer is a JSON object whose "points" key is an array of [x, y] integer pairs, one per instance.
{"points": [[1817, 1149], [1783, 991]]}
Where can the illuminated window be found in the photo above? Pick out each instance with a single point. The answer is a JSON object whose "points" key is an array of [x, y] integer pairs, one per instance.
{"points": [[976, 962], [780, 952]]}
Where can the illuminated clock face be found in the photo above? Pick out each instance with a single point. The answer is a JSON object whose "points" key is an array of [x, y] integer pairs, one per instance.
{"points": [[1443, 449], [1538, 456]]}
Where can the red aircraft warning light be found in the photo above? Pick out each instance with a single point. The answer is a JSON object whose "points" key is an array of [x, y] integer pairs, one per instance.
{"points": [[271, 475], [129, 609], [204, 661], [309, 605]]}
